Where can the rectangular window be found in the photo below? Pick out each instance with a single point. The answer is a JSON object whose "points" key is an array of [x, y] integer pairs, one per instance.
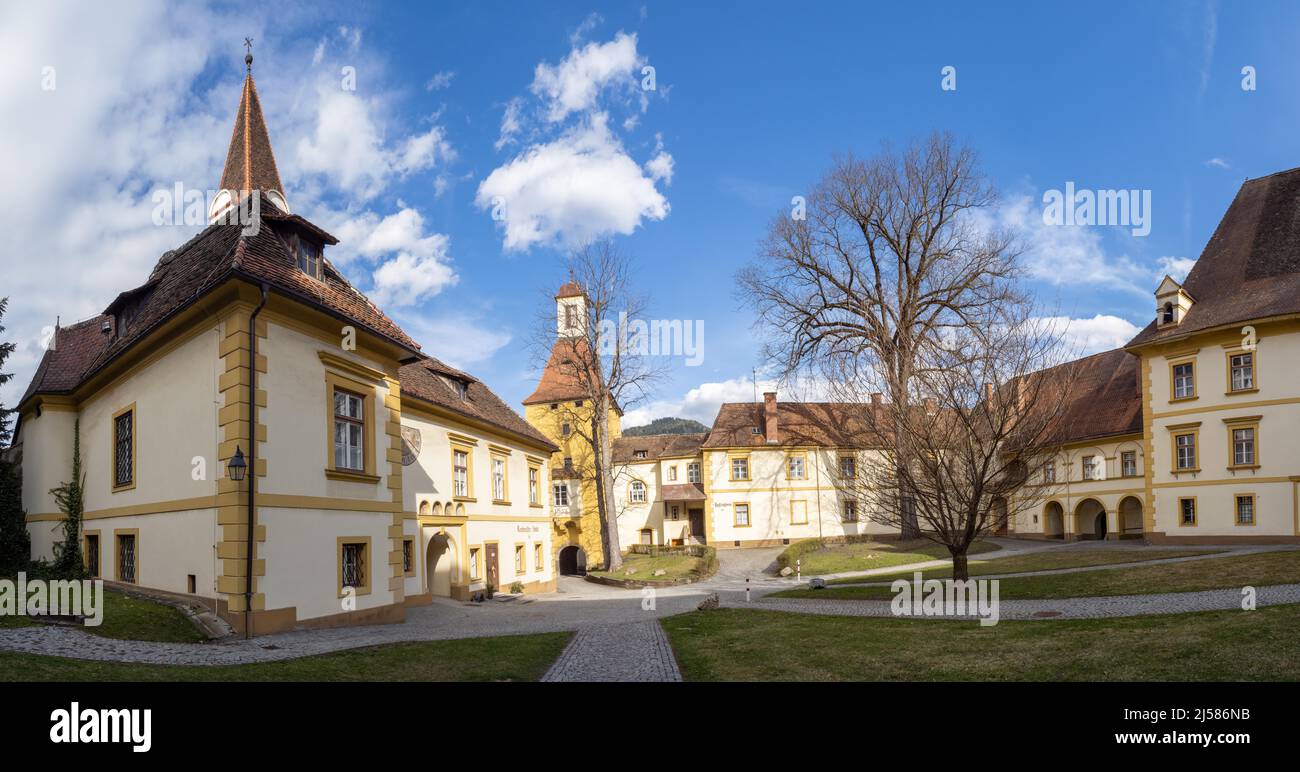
{"points": [[676, 513], [741, 515], [647, 536], [309, 257], [672, 473], [1090, 467], [798, 513], [349, 428], [1049, 472], [794, 468], [848, 467], [534, 486], [92, 555], [124, 449], [1184, 380], [638, 492], [1185, 452], [473, 564], [408, 557], [1243, 446], [353, 565], [850, 511], [565, 429], [1187, 511], [460, 473], [1246, 509], [520, 567], [1128, 463], [560, 493], [498, 479], [537, 556], [740, 468], [693, 472], [127, 558], [1242, 372]]}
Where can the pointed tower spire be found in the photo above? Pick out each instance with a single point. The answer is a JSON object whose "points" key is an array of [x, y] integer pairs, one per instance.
{"points": [[250, 164]]}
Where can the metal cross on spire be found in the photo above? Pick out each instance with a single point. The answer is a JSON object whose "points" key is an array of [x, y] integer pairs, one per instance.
{"points": [[248, 57]]}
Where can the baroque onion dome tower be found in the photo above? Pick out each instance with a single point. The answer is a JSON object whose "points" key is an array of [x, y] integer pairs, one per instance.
{"points": [[250, 164], [556, 408]]}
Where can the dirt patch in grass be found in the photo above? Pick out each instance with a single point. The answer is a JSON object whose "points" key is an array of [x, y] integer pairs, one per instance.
{"points": [[833, 558]]}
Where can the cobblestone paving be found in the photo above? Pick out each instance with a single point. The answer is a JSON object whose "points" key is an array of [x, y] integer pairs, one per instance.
{"points": [[635, 652]]}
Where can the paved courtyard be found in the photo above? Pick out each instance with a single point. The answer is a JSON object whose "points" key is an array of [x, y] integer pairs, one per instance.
{"points": [[618, 634]]}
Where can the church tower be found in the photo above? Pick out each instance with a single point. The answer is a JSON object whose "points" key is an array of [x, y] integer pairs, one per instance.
{"points": [[561, 410], [250, 164]]}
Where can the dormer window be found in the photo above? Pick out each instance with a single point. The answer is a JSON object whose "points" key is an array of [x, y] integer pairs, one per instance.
{"points": [[1167, 314], [309, 257], [639, 454]]}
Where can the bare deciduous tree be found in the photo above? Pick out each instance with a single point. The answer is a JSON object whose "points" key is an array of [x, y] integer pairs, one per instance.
{"points": [[589, 354], [888, 257], [983, 416]]}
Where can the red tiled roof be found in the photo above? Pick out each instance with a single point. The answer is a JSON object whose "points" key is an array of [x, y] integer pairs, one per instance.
{"points": [[682, 492], [1102, 397], [820, 424], [558, 382], [426, 380], [569, 289], [1250, 269], [250, 164], [624, 449]]}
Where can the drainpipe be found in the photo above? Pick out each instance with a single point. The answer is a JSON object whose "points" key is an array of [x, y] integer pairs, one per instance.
{"points": [[252, 462]]}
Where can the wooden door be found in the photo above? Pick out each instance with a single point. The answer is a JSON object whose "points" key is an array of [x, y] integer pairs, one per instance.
{"points": [[493, 569], [697, 525]]}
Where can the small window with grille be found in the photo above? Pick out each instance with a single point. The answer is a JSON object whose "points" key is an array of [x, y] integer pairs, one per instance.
{"points": [[124, 449]]}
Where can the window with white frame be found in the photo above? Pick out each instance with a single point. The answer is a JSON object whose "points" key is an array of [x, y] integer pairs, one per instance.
{"points": [[672, 473], [473, 563], [740, 468], [349, 429], [534, 486], [849, 511], [1049, 472], [741, 514], [560, 494], [637, 492], [460, 473], [1243, 446], [848, 467], [1090, 468], [794, 466], [1128, 463], [1245, 510], [693, 472], [1243, 371], [498, 479], [1184, 380], [1185, 451]]}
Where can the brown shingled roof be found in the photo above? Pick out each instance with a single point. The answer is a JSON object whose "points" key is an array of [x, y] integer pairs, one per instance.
{"points": [[624, 449], [426, 380], [1250, 269], [1102, 397], [558, 383], [821, 424]]}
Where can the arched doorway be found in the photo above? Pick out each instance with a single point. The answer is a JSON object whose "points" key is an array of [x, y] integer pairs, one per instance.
{"points": [[440, 564], [573, 561], [1130, 518], [1090, 520], [1054, 520]]}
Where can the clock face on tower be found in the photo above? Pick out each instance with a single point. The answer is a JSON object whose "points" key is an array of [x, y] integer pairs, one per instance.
{"points": [[411, 442]]}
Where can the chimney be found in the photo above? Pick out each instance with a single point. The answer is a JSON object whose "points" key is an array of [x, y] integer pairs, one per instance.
{"points": [[876, 398], [771, 425], [988, 392], [929, 405]]}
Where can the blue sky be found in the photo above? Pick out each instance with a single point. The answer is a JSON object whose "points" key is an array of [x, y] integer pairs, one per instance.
{"points": [[752, 100]]}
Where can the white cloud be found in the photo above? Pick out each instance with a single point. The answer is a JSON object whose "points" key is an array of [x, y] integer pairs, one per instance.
{"points": [[347, 145], [440, 80], [573, 85], [511, 123], [573, 189], [1176, 267], [1218, 163], [461, 340], [413, 264], [702, 402], [1081, 337], [1067, 254]]}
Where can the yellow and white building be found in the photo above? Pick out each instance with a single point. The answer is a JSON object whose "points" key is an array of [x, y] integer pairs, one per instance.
{"points": [[378, 477]]}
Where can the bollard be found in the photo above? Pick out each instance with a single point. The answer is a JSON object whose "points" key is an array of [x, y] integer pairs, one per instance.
{"points": [[798, 569], [747, 589]]}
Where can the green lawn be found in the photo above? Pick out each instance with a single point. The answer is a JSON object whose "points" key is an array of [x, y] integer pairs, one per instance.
{"points": [[743, 645], [134, 619], [1259, 569], [509, 658], [834, 558], [1038, 561], [678, 567]]}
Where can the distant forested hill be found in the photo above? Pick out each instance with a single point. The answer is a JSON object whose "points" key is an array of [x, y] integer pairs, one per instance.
{"points": [[667, 426]]}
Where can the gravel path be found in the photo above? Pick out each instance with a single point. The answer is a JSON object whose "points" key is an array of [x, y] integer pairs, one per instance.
{"points": [[1065, 608], [635, 652]]}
